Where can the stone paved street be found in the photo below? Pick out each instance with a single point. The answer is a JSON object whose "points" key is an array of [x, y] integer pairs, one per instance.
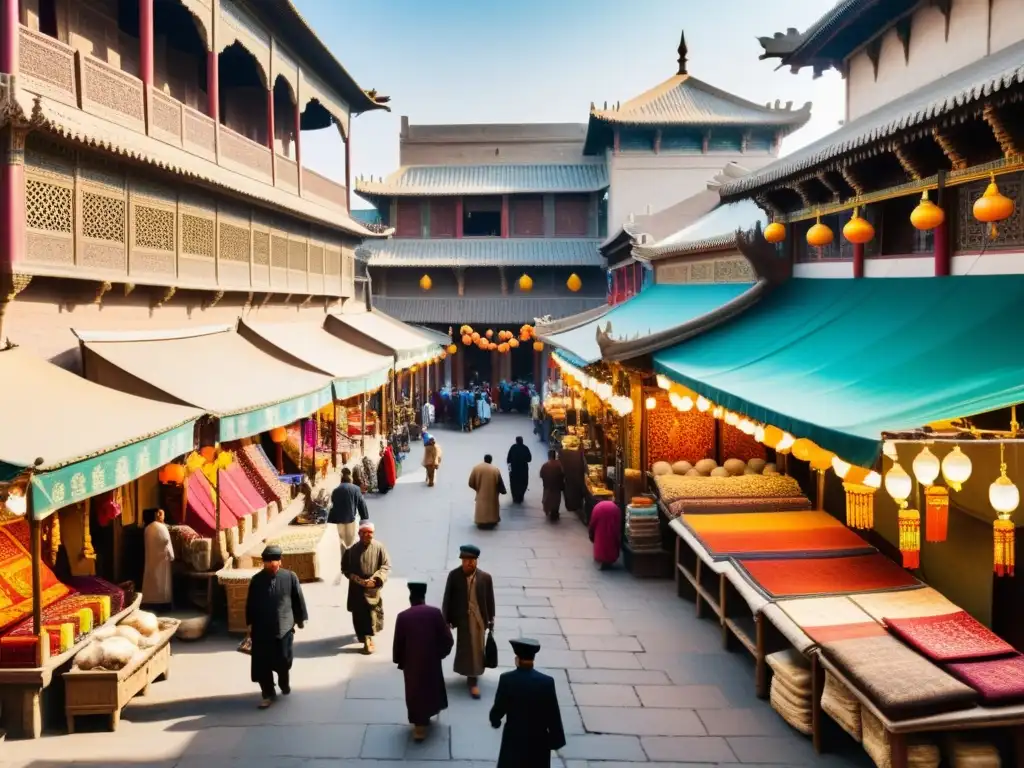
{"points": [[639, 678]]}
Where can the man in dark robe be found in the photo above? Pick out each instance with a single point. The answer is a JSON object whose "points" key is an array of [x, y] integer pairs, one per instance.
{"points": [[366, 566], [528, 699], [518, 461], [575, 467], [273, 608], [552, 478], [468, 607], [422, 641]]}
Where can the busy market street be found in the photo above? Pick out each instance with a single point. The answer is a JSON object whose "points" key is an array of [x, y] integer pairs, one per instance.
{"points": [[639, 678]]}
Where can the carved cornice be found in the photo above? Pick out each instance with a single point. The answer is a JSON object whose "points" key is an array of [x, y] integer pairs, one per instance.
{"points": [[164, 297], [995, 121], [827, 184], [102, 289], [906, 163], [848, 176], [214, 300], [956, 160]]}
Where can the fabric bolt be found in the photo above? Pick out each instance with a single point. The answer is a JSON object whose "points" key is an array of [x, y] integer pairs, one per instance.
{"points": [[794, 533], [826, 619], [241, 481], [952, 637], [732, 506], [825, 575], [95, 587], [905, 604], [998, 681], [263, 485], [902, 684]]}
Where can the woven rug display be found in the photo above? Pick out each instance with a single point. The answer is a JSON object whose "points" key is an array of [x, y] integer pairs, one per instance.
{"points": [[675, 487], [751, 534], [842, 706], [969, 755], [818, 576], [827, 619], [952, 637], [998, 681], [877, 745], [905, 604]]}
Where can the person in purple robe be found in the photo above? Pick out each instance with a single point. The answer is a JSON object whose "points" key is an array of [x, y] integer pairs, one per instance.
{"points": [[422, 641], [606, 533]]}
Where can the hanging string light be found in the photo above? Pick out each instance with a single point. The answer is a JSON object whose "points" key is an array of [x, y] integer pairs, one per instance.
{"points": [[898, 484], [1004, 497], [956, 468]]}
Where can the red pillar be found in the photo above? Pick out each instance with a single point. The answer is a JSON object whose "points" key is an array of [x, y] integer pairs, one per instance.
{"points": [[504, 216], [298, 143], [270, 120], [858, 259], [10, 35], [348, 171], [146, 43], [213, 86], [458, 217], [941, 243]]}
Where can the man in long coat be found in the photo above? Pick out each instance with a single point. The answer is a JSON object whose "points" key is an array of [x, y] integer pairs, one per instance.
{"points": [[552, 478], [486, 480], [529, 701], [468, 607], [422, 640], [273, 608], [518, 460], [575, 467], [348, 507], [366, 566]]}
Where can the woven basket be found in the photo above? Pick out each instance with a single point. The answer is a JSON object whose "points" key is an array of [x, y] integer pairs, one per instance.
{"points": [[236, 590], [306, 565], [842, 706], [877, 745], [967, 755], [797, 717], [793, 668]]}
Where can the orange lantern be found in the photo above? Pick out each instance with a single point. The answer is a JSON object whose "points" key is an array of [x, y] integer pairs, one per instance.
{"points": [[936, 513], [278, 434], [525, 283], [452, 349], [426, 283], [775, 232], [491, 346], [489, 333], [503, 348], [819, 235], [172, 474], [465, 330], [538, 346], [858, 230], [467, 339], [574, 283], [208, 452], [993, 206], [514, 343], [475, 336], [927, 215]]}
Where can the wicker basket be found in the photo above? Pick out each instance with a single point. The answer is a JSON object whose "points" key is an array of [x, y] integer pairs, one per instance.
{"points": [[236, 589], [306, 565]]}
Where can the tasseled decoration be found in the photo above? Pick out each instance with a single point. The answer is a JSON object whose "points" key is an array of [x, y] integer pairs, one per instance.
{"points": [[1004, 532], [860, 505], [936, 513], [910, 538], [54, 537], [88, 553]]}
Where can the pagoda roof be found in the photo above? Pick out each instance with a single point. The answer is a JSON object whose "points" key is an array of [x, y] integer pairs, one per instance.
{"points": [[507, 310], [484, 252], [969, 84], [713, 231], [504, 179]]}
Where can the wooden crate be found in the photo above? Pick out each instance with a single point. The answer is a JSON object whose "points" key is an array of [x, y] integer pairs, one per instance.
{"points": [[236, 590]]}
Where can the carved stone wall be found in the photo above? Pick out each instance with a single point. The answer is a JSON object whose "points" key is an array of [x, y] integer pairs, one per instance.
{"points": [[731, 267]]}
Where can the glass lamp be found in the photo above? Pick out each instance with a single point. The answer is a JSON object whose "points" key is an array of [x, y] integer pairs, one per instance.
{"points": [[703, 404], [16, 504], [926, 467], [956, 468], [651, 403], [898, 484]]}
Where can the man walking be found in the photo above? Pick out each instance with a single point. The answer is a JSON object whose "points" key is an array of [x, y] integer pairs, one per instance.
{"points": [[422, 641], [468, 607], [552, 478], [518, 460], [273, 608], [366, 566], [528, 699], [431, 459], [486, 480], [348, 507]]}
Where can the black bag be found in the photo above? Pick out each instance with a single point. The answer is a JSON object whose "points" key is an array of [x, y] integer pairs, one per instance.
{"points": [[490, 652]]}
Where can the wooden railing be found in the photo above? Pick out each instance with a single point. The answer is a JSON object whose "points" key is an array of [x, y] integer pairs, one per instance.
{"points": [[110, 93], [322, 189], [245, 156]]}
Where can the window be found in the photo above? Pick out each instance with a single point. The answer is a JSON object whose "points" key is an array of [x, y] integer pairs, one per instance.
{"points": [[572, 214], [410, 222], [527, 216], [481, 217]]}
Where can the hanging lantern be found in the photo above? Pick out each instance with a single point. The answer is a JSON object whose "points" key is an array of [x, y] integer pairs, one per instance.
{"points": [[803, 449], [489, 334], [840, 467], [772, 436], [927, 215], [475, 336], [785, 444], [731, 418], [910, 537], [538, 346], [465, 330], [574, 283], [651, 403], [758, 432], [926, 467], [172, 474], [746, 426], [525, 284], [452, 349], [1005, 541], [718, 412], [467, 339], [1004, 498], [503, 348], [775, 232], [280, 434], [426, 283], [858, 230], [889, 449], [819, 235], [821, 459], [514, 343], [993, 207], [898, 484], [860, 506], [16, 503], [703, 404], [956, 468], [208, 452], [936, 513]]}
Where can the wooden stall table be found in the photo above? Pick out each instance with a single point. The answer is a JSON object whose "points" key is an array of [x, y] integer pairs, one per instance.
{"points": [[107, 692]]}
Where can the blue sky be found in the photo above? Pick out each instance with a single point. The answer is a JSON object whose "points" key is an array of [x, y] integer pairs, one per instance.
{"points": [[535, 61]]}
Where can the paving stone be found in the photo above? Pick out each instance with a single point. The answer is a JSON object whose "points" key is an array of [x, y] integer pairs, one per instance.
{"points": [[579, 608], [327, 741], [394, 742], [572, 723], [642, 722], [755, 721], [619, 676], [603, 643], [503, 634], [779, 749], [694, 749], [604, 695], [531, 627], [602, 747], [682, 696], [536, 612], [588, 627], [611, 660]]}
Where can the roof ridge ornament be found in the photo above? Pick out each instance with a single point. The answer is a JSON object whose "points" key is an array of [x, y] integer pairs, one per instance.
{"points": [[683, 52]]}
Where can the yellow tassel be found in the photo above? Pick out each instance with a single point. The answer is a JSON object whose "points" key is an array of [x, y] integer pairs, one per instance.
{"points": [[860, 506], [54, 537], [1004, 532], [88, 553], [910, 537]]}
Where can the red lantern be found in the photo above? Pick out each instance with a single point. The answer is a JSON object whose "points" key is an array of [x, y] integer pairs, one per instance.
{"points": [[208, 452], [936, 513], [172, 474]]}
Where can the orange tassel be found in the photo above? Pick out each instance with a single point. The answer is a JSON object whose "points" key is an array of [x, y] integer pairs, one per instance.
{"points": [[1004, 533], [860, 505], [910, 538], [936, 519]]}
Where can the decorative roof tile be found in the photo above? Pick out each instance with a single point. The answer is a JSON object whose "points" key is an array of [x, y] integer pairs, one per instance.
{"points": [[496, 310], [956, 90], [716, 229], [437, 180], [489, 252]]}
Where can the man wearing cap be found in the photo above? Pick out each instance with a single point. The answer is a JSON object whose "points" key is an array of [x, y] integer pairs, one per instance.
{"points": [[529, 701], [422, 641], [486, 480], [273, 608], [348, 507], [366, 566], [468, 606]]}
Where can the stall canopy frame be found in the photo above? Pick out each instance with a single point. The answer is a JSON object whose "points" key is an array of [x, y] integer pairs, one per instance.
{"points": [[383, 334]]}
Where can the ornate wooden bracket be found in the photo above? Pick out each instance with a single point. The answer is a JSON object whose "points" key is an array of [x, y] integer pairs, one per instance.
{"points": [[14, 144], [214, 300], [287, 298], [832, 188], [128, 288], [946, 9], [906, 163], [801, 189], [956, 160], [903, 33], [102, 289], [164, 298], [504, 281], [848, 176], [995, 121], [768, 205]]}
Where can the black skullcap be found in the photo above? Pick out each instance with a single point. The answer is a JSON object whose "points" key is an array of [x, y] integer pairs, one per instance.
{"points": [[272, 552], [469, 550], [525, 648], [417, 589]]}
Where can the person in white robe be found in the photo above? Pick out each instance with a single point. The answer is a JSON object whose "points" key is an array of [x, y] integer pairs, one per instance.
{"points": [[156, 582]]}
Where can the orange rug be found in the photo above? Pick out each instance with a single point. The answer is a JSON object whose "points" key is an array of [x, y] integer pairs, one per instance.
{"points": [[794, 577], [16, 577], [756, 534]]}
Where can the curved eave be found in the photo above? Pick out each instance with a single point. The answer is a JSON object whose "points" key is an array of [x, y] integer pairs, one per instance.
{"points": [[384, 194], [656, 253], [546, 330], [613, 350]]}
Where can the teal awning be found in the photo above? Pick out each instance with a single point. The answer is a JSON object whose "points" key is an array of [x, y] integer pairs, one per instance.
{"points": [[656, 309], [842, 361]]}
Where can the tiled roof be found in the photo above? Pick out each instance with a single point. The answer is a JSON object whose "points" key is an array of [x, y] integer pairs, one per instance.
{"points": [[716, 229], [490, 252], [422, 180], [502, 309], [956, 90]]}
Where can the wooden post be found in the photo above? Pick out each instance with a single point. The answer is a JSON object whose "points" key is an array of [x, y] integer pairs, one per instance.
{"points": [[941, 245], [270, 121], [820, 495], [334, 437], [298, 143], [302, 443], [362, 424], [36, 542], [505, 216], [217, 512], [348, 171], [213, 86]]}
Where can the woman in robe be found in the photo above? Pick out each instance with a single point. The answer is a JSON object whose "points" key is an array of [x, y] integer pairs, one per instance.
{"points": [[606, 533], [575, 479], [387, 474], [518, 461], [156, 581]]}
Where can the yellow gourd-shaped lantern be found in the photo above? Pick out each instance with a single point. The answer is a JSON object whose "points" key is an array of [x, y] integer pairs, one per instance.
{"points": [[513, 343], [426, 283], [819, 235], [993, 207], [538, 346], [574, 283], [775, 232], [525, 283], [858, 230], [927, 215], [452, 349]]}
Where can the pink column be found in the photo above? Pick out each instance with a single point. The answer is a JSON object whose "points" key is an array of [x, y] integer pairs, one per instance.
{"points": [[146, 43], [348, 170], [504, 216], [12, 199], [941, 243], [213, 86], [9, 40], [270, 120]]}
